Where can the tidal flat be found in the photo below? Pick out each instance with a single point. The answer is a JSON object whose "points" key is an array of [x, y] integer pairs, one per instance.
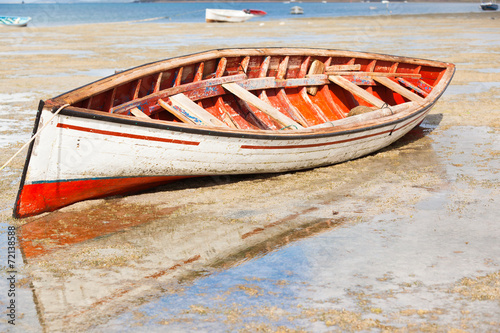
{"points": [[403, 240]]}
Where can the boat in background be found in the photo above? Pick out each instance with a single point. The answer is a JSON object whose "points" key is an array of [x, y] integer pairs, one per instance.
{"points": [[227, 15], [255, 12], [222, 112], [15, 21], [490, 5], [296, 10]]}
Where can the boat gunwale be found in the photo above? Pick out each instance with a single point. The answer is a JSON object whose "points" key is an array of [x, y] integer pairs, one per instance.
{"points": [[163, 65]]}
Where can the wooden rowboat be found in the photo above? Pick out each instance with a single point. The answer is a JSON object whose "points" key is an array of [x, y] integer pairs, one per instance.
{"points": [[222, 112], [14, 21], [227, 15]]}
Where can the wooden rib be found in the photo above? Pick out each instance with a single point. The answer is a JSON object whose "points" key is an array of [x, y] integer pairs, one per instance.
{"points": [[178, 78], [139, 114], [317, 67], [137, 88], [290, 108], [199, 72], [394, 67], [371, 66], [264, 67], [221, 107], [328, 61], [89, 102], [109, 103], [327, 94], [221, 67], [337, 68], [354, 89], [372, 74], [304, 66], [282, 68], [312, 106], [258, 103], [244, 65], [399, 89], [158, 81]]}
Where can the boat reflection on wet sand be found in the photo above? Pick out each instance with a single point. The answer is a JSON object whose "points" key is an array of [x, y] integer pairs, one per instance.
{"points": [[97, 259], [93, 263]]}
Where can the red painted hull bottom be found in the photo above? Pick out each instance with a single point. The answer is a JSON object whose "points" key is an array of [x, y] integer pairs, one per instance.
{"points": [[46, 197]]}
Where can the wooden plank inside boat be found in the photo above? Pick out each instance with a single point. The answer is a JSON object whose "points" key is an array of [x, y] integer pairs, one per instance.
{"points": [[193, 110], [399, 89], [354, 89], [139, 114], [250, 98]]}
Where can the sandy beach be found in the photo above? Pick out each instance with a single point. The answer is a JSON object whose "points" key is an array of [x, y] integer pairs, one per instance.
{"points": [[404, 240]]}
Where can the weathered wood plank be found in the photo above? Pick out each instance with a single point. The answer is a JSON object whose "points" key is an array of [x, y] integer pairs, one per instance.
{"points": [[354, 89], [138, 113], [372, 74], [192, 109], [399, 89], [337, 68], [180, 113], [205, 84], [258, 103], [317, 67], [413, 86]]}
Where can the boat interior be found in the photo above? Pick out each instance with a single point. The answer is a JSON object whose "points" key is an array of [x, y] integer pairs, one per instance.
{"points": [[260, 92]]}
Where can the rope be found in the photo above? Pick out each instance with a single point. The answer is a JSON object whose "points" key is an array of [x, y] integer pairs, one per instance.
{"points": [[33, 137], [387, 106], [289, 126]]}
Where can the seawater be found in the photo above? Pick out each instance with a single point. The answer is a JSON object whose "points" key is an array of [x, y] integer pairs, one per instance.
{"points": [[61, 14]]}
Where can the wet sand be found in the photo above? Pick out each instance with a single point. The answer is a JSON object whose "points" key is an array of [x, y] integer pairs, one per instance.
{"points": [[402, 240]]}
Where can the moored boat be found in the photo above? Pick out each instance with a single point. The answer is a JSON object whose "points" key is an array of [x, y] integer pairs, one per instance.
{"points": [[227, 15], [222, 112], [489, 5], [14, 21], [296, 10], [255, 12]]}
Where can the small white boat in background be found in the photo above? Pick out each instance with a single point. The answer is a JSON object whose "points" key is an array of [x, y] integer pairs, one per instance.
{"points": [[227, 15], [296, 10], [14, 21]]}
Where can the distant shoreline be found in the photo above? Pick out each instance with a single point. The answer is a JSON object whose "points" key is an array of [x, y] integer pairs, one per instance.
{"points": [[339, 1]]}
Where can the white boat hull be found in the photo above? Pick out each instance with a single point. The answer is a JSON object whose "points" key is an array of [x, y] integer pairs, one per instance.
{"points": [[227, 15]]}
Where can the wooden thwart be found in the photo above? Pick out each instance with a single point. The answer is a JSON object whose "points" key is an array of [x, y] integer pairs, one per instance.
{"points": [[354, 89], [250, 98], [399, 89], [190, 112]]}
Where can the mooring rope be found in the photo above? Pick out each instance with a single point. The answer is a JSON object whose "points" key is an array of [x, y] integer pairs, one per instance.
{"points": [[33, 137]]}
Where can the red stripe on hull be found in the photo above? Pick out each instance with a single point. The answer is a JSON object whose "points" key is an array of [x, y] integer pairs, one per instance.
{"points": [[46, 197], [125, 135]]}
